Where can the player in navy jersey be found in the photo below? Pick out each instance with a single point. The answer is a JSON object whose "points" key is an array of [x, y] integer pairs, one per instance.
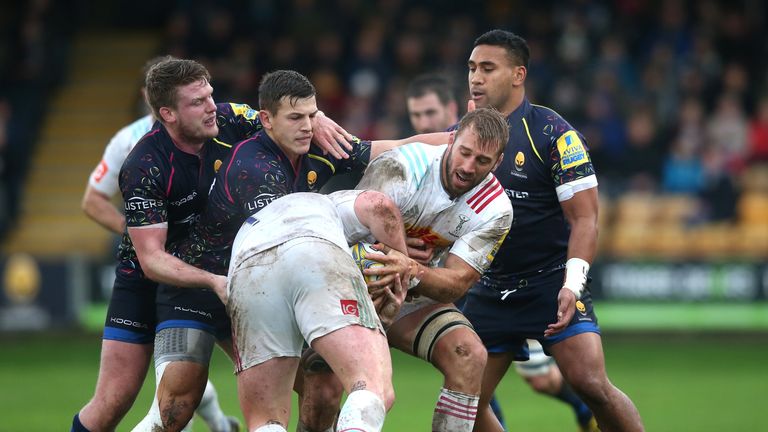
{"points": [[432, 107], [130, 322], [536, 286], [166, 177], [273, 163]]}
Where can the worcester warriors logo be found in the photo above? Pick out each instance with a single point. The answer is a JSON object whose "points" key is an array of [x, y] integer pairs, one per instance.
{"points": [[311, 178], [580, 307], [519, 161]]}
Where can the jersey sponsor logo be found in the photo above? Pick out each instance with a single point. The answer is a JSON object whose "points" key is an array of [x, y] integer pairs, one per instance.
{"points": [[139, 203], [485, 195], [186, 199], [456, 232], [519, 161], [129, 323], [100, 171], [216, 165], [516, 194], [311, 178], [261, 201], [572, 151], [349, 307]]}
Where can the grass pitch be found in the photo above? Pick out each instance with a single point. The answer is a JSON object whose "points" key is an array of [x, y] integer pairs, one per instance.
{"points": [[679, 382]]}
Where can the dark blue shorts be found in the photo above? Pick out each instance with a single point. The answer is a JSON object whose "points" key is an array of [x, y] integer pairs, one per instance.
{"points": [[131, 314], [192, 308], [505, 314]]}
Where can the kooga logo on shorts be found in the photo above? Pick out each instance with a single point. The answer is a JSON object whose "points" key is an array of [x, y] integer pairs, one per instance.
{"points": [[139, 203]]}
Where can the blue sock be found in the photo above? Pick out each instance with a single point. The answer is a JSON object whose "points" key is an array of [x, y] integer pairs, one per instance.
{"points": [[76, 425], [496, 408], [567, 395]]}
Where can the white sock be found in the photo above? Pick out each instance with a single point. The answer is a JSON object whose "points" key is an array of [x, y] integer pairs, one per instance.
{"points": [[152, 420], [210, 410], [270, 428], [454, 412], [363, 411]]}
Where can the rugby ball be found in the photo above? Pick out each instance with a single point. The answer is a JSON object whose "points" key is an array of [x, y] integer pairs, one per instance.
{"points": [[360, 251]]}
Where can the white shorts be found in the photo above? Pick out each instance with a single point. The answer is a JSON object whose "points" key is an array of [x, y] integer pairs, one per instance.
{"points": [[538, 362], [300, 290]]}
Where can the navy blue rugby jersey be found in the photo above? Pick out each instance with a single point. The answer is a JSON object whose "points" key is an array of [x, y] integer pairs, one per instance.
{"points": [[545, 157], [256, 173], [162, 184]]}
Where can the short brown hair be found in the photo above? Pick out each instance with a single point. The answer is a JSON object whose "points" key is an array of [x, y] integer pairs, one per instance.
{"points": [[489, 125], [165, 77]]}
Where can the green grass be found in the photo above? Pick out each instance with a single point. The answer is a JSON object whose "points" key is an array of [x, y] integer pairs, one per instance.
{"points": [[679, 382]]}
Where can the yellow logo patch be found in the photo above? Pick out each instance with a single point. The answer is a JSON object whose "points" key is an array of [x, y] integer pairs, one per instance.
{"points": [[580, 306], [572, 151], [216, 165], [519, 161], [311, 178]]}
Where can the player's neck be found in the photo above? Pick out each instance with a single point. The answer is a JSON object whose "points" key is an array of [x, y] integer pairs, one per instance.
{"points": [[514, 101], [185, 144]]}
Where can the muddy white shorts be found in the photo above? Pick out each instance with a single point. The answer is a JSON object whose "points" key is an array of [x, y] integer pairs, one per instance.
{"points": [[299, 290]]}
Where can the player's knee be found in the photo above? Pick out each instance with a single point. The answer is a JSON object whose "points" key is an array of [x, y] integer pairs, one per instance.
{"points": [[592, 388], [327, 390], [463, 354]]}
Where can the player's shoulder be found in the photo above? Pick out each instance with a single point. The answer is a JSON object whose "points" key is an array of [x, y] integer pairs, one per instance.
{"points": [[489, 199], [547, 123], [416, 156], [234, 109]]}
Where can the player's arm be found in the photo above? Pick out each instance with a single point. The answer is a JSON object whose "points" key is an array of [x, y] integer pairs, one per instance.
{"points": [[437, 138], [98, 206], [382, 217], [581, 212], [330, 137], [445, 284], [160, 266]]}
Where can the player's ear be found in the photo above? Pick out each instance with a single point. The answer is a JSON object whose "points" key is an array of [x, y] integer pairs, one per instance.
{"points": [[498, 162], [167, 115], [266, 119], [519, 76]]}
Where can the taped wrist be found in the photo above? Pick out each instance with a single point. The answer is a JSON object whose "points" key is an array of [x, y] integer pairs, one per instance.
{"points": [[576, 270]]}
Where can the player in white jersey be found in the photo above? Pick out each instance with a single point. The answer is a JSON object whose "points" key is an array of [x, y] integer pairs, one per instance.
{"points": [[102, 184], [291, 279], [450, 200]]}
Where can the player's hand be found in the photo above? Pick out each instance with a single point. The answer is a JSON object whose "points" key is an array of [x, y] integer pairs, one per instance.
{"points": [[330, 137], [471, 105], [396, 266], [419, 250], [219, 286], [391, 302], [566, 307]]}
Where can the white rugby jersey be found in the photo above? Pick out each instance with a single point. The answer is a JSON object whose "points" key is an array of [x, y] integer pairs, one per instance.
{"points": [[472, 226], [104, 176], [300, 214]]}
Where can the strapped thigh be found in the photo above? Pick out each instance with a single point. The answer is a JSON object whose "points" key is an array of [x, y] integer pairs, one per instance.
{"points": [[433, 327], [183, 344]]}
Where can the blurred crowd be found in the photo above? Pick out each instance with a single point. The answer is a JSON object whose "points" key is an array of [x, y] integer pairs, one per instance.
{"points": [[672, 96], [33, 55]]}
